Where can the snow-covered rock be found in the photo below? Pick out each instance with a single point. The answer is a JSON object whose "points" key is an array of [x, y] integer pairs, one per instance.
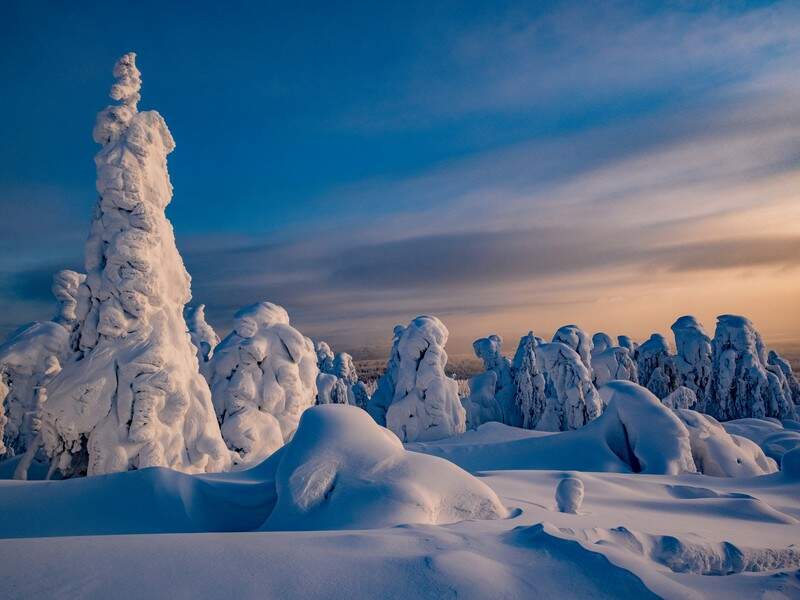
{"points": [[576, 338], [343, 471], [572, 399], [263, 376], [657, 371], [529, 382], [741, 384], [136, 397], [204, 338], [682, 397], [425, 403], [718, 453], [489, 350], [569, 494], [693, 360]]}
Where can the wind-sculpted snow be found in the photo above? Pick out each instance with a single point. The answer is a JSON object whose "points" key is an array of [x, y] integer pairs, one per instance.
{"points": [[204, 338], [601, 342], [742, 385], [343, 471], [425, 403], [384, 393], [635, 433], [632, 347], [693, 360], [577, 339], [774, 437], [489, 350], [529, 382], [263, 376], [657, 370], [718, 453], [571, 398], [133, 396]]}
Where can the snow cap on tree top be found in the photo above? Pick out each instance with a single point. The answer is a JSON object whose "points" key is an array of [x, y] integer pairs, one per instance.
{"points": [[129, 81]]}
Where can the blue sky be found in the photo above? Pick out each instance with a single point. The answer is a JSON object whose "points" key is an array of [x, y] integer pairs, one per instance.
{"points": [[505, 166]]}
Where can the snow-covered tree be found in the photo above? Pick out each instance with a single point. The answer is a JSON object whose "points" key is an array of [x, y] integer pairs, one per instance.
{"points": [[344, 368], [693, 360], [572, 399], [384, 393], [324, 357], [624, 341], [657, 371], [601, 342], [682, 397], [610, 362], [332, 390], [204, 338], [263, 376], [529, 382], [741, 385], [489, 350], [133, 396], [576, 338], [776, 360], [425, 404]]}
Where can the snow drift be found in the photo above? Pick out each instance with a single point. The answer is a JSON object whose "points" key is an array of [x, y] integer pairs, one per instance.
{"points": [[343, 471]]}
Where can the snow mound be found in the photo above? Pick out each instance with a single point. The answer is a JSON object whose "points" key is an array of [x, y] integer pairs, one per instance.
{"points": [[636, 433], [774, 438], [718, 453], [425, 403], [263, 376], [569, 494], [343, 471]]}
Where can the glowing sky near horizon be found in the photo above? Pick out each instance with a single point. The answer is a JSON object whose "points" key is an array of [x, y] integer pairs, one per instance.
{"points": [[505, 168]]}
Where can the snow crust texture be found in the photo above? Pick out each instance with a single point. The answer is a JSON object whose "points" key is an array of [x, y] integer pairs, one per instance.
{"points": [[263, 376]]}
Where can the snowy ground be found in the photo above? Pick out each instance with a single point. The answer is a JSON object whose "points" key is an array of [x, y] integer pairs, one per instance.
{"points": [[160, 533]]}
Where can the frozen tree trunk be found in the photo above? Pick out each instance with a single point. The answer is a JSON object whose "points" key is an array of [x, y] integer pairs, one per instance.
{"points": [[529, 382], [425, 404], [741, 384], [263, 376], [134, 396], [489, 350], [572, 400], [693, 360], [657, 371]]}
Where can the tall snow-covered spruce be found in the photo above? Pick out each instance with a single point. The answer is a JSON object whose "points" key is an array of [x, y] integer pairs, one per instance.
{"points": [[132, 396]]}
